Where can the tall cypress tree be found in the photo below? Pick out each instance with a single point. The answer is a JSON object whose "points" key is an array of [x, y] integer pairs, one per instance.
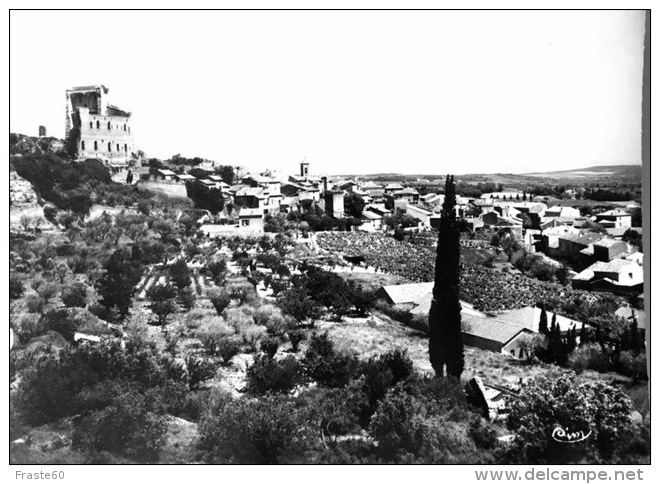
{"points": [[543, 321], [445, 336], [571, 339], [553, 324], [634, 336], [584, 335]]}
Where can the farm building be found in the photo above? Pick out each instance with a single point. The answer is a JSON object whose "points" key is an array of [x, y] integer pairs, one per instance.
{"points": [[619, 276], [252, 198], [493, 335], [404, 294], [417, 298], [433, 200], [421, 214], [614, 219], [371, 221], [423, 307], [607, 249], [251, 218], [564, 212], [392, 187], [163, 175], [529, 317], [183, 178]]}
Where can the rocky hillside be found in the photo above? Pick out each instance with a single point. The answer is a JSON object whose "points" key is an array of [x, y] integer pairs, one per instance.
{"points": [[23, 202], [21, 191], [20, 144]]}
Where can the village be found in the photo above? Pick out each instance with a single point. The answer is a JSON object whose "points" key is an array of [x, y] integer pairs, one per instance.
{"points": [[280, 284]]}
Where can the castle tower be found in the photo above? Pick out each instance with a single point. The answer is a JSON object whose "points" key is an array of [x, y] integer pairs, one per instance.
{"points": [[42, 131], [101, 130]]}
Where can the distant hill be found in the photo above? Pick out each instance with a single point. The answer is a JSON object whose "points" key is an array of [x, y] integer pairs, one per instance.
{"points": [[608, 170], [592, 171]]}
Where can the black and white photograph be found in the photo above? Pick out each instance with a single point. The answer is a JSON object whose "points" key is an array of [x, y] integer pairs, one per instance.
{"points": [[330, 237]]}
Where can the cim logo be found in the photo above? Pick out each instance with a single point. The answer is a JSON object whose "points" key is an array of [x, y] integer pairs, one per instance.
{"points": [[566, 437]]}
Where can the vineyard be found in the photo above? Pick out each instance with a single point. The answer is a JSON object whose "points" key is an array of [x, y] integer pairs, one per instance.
{"points": [[486, 289]]}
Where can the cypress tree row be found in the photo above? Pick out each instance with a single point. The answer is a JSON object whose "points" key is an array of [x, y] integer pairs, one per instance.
{"points": [[445, 336]]}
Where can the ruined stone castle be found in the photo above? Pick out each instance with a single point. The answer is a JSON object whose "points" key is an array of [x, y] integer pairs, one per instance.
{"points": [[96, 129]]}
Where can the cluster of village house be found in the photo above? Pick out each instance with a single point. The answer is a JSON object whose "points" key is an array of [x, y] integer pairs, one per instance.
{"points": [[103, 131], [607, 263]]}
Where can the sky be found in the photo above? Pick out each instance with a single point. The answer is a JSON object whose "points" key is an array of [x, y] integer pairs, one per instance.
{"points": [[426, 92]]}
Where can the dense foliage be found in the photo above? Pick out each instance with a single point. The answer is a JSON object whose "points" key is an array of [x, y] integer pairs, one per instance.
{"points": [[75, 186], [597, 410]]}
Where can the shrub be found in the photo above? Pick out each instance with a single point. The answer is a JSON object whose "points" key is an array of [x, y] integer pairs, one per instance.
{"points": [[35, 303], [320, 346], [61, 321], [186, 298], [67, 383], [362, 300], [15, 288], [296, 336], [180, 274], [194, 318], [589, 357], [240, 292], [162, 301], [297, 303], [632, 365], [401, 315], [326, 366], [27, 326], [252, 336], [420, 322], [117, 284], [334, 411], [217, 268], [227, 348], [49, 213], [199, 370], [532, 345], [240, 318], [271, 317], [194, 405], [379, 375], [220, 300], [333, 371], [408, 427], [268, 430], [269, 346], [44, 289], [75, 295], [126, 427], [211, 333], [483, 435], [545, 403], [399, 364], [269, 375]]}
